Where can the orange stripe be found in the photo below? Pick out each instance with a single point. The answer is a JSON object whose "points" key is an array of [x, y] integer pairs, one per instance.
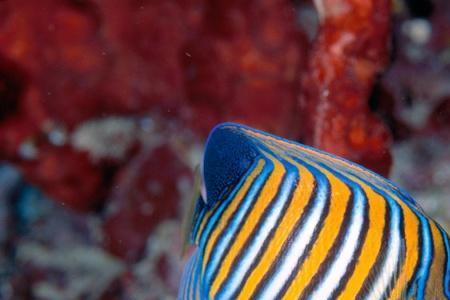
{"points": [[266, 196], [203, 224], [293, 213], [437, 272], [340, 194], [411, 225], [234, 203], [371, 246], [336, 162]]}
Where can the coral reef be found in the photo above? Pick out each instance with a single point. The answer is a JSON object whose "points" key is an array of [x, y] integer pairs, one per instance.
{"points": [[350, 50], [104, 106], [259, 51]]}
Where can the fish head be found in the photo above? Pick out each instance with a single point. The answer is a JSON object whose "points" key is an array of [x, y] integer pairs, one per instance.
{"points": [[229, 153]]}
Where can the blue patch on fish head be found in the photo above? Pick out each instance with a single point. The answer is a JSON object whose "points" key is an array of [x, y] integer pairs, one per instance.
{"points": [[229, 153]]}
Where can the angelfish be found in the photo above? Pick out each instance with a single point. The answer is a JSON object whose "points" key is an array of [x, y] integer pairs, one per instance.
{"points": [[276, 219]]}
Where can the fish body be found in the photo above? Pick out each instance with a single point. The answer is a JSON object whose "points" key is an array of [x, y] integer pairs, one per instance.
{"points": [[280, 220]]}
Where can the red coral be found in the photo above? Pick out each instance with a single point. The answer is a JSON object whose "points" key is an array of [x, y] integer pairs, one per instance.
{"points": [[62, 171], [11, 87], [199, 62], [349, 52], [439, 120], [84, 60], [244, 65], [145, 41], [65, 70], [146, 192], [66, 63]]}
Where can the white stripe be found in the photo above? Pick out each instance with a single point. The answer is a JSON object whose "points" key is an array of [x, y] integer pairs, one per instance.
{"points": [[297, 248], [392, 262], [218, 252], [238, 275], [347, 252]]}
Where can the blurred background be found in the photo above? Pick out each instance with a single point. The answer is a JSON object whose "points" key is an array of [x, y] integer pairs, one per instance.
{"points": [[105, 106]]}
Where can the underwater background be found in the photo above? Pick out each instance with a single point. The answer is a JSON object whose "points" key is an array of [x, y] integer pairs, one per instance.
{"points": [[105, 106]]}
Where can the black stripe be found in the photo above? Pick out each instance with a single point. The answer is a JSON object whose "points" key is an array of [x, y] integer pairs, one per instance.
{"points": [[410, 204], [382, 255], [403, 258], [336, 246], [286, 244], [351, 268], [441, 236], [412, 284], [299, 225], [307, 251], [446, 275]]}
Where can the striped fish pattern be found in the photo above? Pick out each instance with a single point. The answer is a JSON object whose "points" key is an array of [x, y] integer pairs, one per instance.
{"points": [[280, 220]]}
